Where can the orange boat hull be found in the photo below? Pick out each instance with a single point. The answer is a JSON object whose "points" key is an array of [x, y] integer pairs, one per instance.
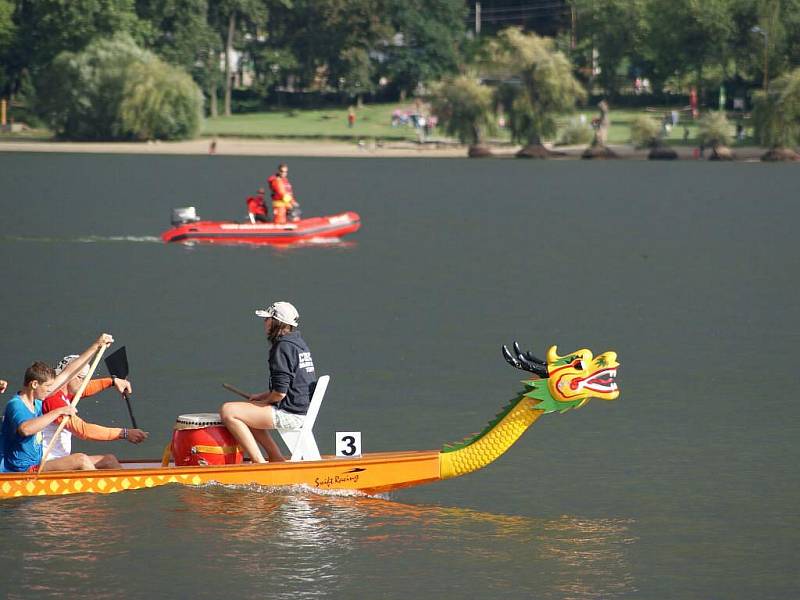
{"points": [[370, 474]]}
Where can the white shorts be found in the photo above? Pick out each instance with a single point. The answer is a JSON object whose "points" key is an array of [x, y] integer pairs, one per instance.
{"points": [[286, 420]]}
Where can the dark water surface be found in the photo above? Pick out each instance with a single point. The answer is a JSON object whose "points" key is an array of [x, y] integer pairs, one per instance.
{"points": [[685, 487]]}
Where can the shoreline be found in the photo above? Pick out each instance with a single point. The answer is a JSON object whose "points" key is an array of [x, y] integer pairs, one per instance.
{"points": [[308, 148]]}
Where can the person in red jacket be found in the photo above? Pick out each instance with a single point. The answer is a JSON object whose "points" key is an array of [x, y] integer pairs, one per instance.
{"points": [[283, 201], [257, 208]]}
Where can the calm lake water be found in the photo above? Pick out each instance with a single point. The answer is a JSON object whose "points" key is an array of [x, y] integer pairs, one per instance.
{"points": [[685, 487]]}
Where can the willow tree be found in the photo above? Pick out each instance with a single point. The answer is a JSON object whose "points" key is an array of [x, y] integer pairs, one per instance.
{"points": [[160, 101], [464, 109], [115, 90], [536, 86], [716, 131], [777, 116], [646, 132]]}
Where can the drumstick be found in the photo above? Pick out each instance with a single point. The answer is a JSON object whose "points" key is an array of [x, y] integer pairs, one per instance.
{"points": [[230, 388]]}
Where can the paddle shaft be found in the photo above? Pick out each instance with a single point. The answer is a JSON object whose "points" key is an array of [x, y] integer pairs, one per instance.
{"points": [[130, 412], [74, 402], [117, 364], [230, 388]]}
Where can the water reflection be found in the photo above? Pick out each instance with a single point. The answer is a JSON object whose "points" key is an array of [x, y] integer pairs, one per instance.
{"points": [[296, 543], [322, 540], [594, 552], [59, 543]]}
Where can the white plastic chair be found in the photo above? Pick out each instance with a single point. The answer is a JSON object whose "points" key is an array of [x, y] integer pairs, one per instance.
{"points": [[301, 442]]}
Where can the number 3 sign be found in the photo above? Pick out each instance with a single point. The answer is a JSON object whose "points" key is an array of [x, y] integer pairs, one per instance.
{"points": [[348, 443]]}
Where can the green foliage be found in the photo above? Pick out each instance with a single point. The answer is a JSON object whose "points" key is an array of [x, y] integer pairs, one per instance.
{"points": [[687, 36], [617, 29], [714, 129], [464, 108], [575, 133], [537, 83], [8, 32], [645, 132], [49, 27], [7, 26], [355, 71], [81, 95], [178, 31], [777, 113], [331, 40], [271, 66], [160, 102], [431, 34]]}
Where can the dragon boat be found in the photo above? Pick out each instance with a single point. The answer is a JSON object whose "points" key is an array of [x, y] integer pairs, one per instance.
{"points": [[187, 227], [562, 383]]}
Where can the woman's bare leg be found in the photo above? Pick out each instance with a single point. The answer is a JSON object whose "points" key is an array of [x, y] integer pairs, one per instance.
{"points": [[263, 437], [243, 420]]}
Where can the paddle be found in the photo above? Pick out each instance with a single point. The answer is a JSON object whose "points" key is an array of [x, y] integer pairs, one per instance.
{"points": [[117, 365], [75, 401], [230, 388]]}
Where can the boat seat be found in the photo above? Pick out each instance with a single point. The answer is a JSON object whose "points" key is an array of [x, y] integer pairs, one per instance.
{"points": [[301, 442]]}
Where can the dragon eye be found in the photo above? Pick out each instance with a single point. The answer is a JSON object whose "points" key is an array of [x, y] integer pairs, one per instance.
{"points": [[578, 364]]}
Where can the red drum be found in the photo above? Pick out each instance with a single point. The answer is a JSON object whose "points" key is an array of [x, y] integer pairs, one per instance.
{"points": [[202, 439]]}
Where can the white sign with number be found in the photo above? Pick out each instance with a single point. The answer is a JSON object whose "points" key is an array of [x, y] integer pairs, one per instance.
{"points": [[348, 444]]}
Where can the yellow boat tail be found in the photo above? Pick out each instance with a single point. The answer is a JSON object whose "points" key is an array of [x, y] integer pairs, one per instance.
{"points": [[564, 382]]}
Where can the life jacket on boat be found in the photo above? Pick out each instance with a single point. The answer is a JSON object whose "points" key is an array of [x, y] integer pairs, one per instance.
{"points": [[281, 190], [256, 205], [282, 197]]}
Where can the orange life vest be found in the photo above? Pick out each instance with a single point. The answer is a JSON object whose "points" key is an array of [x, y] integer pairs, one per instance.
{"points": [[281, 188]]}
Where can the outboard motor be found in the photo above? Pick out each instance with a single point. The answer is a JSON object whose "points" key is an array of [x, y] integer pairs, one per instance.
{"points": [[184, 215]]}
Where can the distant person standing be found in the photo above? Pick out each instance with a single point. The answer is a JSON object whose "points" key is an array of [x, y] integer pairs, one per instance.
{"points": [[693, 102], [283, 200], [351, 117]]}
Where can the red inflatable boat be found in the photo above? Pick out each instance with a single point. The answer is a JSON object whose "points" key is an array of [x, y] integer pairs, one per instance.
{"points": [[187, 227]]}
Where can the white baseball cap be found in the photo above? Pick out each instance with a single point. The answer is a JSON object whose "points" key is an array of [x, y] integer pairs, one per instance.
{"points": [[64, 362], [282, 311]]}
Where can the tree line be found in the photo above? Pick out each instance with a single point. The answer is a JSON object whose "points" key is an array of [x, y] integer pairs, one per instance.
{"points": [[182, 57], [682, 43], [351, 46]]}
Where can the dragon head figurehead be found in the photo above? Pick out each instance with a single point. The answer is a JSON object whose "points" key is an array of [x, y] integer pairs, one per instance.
{"points": [[563, 382], [567, 381]]}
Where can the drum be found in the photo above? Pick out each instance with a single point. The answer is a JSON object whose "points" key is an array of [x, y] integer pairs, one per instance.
{"points": [[202, 439]]}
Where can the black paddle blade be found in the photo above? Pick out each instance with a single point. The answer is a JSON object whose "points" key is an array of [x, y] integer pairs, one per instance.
{"points": [[117, 363]]}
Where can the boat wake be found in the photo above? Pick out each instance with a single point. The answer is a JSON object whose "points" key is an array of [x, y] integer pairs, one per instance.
{"points": [[89, 239], [299, 489]]}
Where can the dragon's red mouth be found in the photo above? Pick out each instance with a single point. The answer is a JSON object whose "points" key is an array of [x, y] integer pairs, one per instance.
{"points": [[603, 381]]}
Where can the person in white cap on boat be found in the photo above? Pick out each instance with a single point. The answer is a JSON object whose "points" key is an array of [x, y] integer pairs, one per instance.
{"points": [[291, 382], [77, 426]]}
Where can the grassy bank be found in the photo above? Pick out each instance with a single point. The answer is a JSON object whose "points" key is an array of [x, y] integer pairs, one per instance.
{"points": [[374, 121]]}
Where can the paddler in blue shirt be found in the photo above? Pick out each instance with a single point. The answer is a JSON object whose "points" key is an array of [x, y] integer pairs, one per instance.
{"points": [[291, 379]]}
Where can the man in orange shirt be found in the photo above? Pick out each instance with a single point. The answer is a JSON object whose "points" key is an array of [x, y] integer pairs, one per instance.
{"points": [[77, 426]]}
